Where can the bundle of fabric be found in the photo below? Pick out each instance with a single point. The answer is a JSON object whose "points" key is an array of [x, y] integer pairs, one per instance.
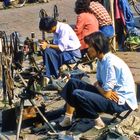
{"points": [[129, 126], [132, 43]]}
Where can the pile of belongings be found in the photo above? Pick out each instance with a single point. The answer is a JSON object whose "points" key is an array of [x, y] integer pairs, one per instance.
{"points": [[132, 43]]}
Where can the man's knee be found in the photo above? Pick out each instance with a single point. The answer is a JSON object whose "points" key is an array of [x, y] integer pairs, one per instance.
{"points": [[78, 95], [72, 81], [73, 99]]}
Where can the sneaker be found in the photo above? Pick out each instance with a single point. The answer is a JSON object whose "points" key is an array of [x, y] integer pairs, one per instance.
{"points": [[46, 80], [99, 124], [67, 121]]}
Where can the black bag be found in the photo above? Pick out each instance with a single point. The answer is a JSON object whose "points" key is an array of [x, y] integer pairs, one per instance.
{"points": [[8, 120], [110, 134]]}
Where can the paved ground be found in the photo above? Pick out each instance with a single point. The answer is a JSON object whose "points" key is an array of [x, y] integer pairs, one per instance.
{"points": [[25, 20]]}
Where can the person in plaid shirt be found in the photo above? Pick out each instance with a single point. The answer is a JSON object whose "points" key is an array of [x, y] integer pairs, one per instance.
{"points": [[104, 19]]}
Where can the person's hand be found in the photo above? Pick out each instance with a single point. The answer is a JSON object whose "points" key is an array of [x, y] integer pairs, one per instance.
{"points": [[114, 97]]}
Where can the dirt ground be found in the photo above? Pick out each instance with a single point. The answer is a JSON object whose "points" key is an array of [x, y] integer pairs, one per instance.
{"points": [[25, 20]]}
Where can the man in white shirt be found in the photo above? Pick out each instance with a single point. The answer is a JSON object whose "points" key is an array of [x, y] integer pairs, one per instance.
{"points": [[65, 48]]}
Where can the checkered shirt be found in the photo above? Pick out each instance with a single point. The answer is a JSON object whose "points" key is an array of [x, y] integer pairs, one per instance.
{"points": [[101, 13]]}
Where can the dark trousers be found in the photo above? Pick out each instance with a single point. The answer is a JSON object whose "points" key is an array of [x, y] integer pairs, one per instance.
{"points": [[87, 101], [53, 59]]}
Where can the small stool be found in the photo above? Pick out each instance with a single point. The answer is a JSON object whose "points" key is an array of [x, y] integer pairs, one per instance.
{"points": [[121, 116]]}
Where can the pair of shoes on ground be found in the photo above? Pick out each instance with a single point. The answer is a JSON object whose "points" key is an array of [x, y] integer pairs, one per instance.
{"points": [[67, 121]]}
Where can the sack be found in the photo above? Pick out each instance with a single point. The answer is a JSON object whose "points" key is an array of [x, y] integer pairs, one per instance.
{"points": [[129, 126], [8, 123], [112, 135], [132, 43], [30, 116]]}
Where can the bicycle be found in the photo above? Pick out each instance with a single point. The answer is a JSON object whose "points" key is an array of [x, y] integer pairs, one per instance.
{"points": [[14, 3], [136, 5]]}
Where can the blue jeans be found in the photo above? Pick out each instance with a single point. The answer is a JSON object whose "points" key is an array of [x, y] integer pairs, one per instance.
{"points": [[87, 101], [6, 3], [53, 59], [108, 30]]}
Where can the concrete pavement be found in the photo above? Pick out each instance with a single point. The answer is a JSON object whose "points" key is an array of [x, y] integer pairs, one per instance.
{"points": [[26, 19]]}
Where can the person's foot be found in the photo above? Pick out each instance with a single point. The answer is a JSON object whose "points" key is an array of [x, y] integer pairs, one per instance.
{"points": [[46, 80], [99, 124], [67, 121]]}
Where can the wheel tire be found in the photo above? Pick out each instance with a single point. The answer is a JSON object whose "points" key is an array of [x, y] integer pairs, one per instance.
{"points": [[137, 7], [18, 3]]}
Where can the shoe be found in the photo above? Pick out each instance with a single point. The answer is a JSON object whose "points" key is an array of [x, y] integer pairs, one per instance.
{"points": [[46, 81], [67, 121], [99, 124]]}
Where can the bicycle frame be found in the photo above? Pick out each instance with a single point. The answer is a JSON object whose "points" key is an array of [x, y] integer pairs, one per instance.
{"points": [[136, 5], [14, 3]]}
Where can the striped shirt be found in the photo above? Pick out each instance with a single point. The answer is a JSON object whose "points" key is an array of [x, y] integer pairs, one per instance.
{"points": [[101, 13]]}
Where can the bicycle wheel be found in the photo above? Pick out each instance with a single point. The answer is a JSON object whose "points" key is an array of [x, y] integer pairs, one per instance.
{"points": [[136, 5], [18, 3]]}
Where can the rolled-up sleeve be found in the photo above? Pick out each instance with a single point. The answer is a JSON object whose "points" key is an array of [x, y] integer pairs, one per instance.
{"points": [[109, 80]]}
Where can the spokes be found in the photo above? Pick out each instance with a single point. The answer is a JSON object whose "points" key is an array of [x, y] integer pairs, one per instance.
{"points": [[18, 3]]}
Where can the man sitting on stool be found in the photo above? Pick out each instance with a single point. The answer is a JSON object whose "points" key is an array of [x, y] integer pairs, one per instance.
{"points": [[65, 48]]}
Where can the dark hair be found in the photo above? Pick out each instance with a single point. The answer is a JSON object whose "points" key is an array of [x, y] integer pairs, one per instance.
{"points": [[47, 23], [98, 41], [82, 6]]}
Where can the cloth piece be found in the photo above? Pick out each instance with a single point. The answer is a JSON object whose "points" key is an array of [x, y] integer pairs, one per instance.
{"points": [[108, 31], [135, 32], [118, 12], [129, 126], [128, 15], [6, 3]]}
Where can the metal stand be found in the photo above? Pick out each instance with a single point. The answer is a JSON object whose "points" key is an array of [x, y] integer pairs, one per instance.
{"points": [[24, 97]]}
